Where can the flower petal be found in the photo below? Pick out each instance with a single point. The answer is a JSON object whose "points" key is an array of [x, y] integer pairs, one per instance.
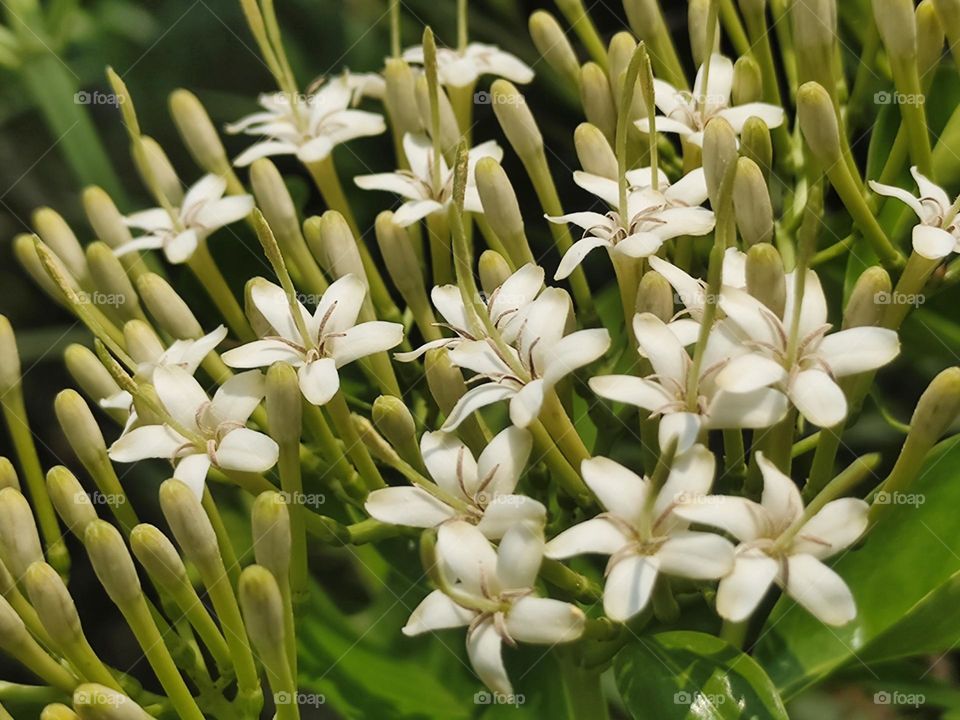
{"points": [[484, 651], [247, 450], [146, 441], [409, 506], [437, 612], [503, 460], [932, 242], [780, 497], [414, 210], [466, 556], [180, 394], [741, 591], [750, 372], [629, 586], [262, 353], [450, 463], [506, 511], [738, 115], [543, 621], [682, 427], [365, 339], [576, 253], [818, 398], [696, 555], [192, 472], [473, 400], [598, 536], [632, 390], [838, 525], [238, 397], [858, 349], [820, 590], [757, 409], [520, 555], [742, 518], [272, 302], [620, 491], [319, 380]]}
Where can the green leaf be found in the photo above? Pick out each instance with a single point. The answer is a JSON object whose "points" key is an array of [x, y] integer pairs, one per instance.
{"points": [[906, 568], [691, 675]]}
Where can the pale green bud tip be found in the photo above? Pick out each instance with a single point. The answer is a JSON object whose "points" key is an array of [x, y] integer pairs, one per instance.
{"points": [[112, 562], [197, 131], [163, 172], [97, 702], [644, 17], [338, 246], [719, 153], [374, 441], [594, 151], [141, 341], [262, 607], [272, 196], [747, 81], [56, 233], [19, 541], [25, 250], [158, 556], [58, 712], [493, 269], [72, 503], [597, 100], [400, 258], [755, 143], [444, 378], [401, 86], [552, 43], [284, 405], [898, 27], [89, 372], [270, 520], [766, 280], [751, 201], [12, 630], [188, 521], [868, 299], [938, 407], [499, 199], [9, 357], [104, 217], [818, 121], [393, 419], [8, 475], [110, 278], [515, 118], [80, 427], [53, 603], [168, 309], [655, 295]]}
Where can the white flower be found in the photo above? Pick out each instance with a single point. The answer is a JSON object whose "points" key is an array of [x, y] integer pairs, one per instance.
{"points": [[774, 549], [938, 233], [655, 216], [540, 356], [215, 430], [309, 127], [641, 534], [492, 594], [665, 392], [506, 307], [460, 68], [204, 210], [334, 339], [485, 486], [688, 113], [416, 185], [810, 373], [186, 354]]}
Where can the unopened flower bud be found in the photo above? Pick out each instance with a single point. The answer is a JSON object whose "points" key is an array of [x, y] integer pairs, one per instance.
{"points": [[80, 427], [493, 269], [104, 217], [261, 326], [898, 27], [8, 475], [594, 151], [751, 202], [719, 154], [444, 378], [401, 86], [190, 524], [284, 404], [865, 306], [262, 607], [90, 374], [392, 418], [56, 233], [158, 556], [516, 120], [701, 46], [167, 308], [19, 541], [25, 250], [70, 500], [938, 407], [597, 100], [141, 342], [948, 11], [272, 540], [53, 603], [273, 199], [621, 49], [747, 81], [375, 443], [449, 130], [12, 630], [9, 357], [644, 17], [198, 132], [755, 143], [58, 712], [655, 296], [765, 277], [401, 261], [97, 702], [331, 240], [554, 46], [818, 122], [161, 169], [114, 288], [814, 24], [501, 208], [930, 37], [112, 562]]}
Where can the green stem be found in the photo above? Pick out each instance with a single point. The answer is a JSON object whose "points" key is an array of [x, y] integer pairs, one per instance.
{"points": [[441, 258], [356, 450], [291, 481], [205, 269]]}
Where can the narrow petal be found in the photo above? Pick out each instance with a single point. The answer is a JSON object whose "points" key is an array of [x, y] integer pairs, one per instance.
{"points": [[818, 398], [574, 351], [640, 244], [262, 353], [414, 210], [741, 591], [619, 490], [543, 621], [402, 185], [437, 612], [690, 190], [691, 476], [449, 302], [909, 199], [932, 242], [738, 115], [225, 212], [507, 511], [503, 460], [473, 400], [780, 497], [838, 525], [192, 472], [484, 651], [272, 302], [576, 253], [665, 352], [820, 590], [858, 349], [679, 221], [238, 397], [632, 390], [520, 555], [629, 586], [146, 441], [598, 536], [450, 463], [757, 409], [181, 247], [409, 506], [319, 380], [607, 189], [682, 427], [525, 406], [466, 556], [813, 308], [696, 555], [247, 450], [365, 339], [742, 518], [751, 372], [180, 394]]}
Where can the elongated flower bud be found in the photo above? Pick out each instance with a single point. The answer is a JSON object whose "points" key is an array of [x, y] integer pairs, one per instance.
{"points": [[444, 378], [949, 13], [25, 250], [655, 296], [56, 233], [449, 130], [141, 342], [818, 122], [284, 405], [766, 280], [58, 712], [868, 299], [594, 151], [80, 427], [755, 143], [644, 17], [19, 542], [937, 408], [273, 199], [89, 373], [516, 120], [53, 603], [401, 86], [719, 153], [70, 500], [114, 292], [104, 217], [751, 202], [554, 46], [375, 443], [9, 357], [8, 475], [747, 81], [158, 556], [930, 37], [401, 261], [262, 607], [190, 524], [814, 24], [112, 562], [162, 171], [898, 27], [167, 308], [198, 132], [272, 541], [701, 46], [493, 270], [501, 208], [330, 239], [621, 49], [392, 418], [12, 630], [97, 702], [261, 326], [597, 100]]}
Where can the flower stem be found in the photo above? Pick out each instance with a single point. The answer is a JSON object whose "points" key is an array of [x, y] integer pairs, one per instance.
{"points": [[441, 260], [355, 449], [205, 269]]}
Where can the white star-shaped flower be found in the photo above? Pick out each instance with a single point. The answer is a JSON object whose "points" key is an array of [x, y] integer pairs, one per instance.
{"points": [[215, 430], [809, 375], [204, 210], [309, 127], [641, 534], [665, 392], [423, 196], [655, 216], [460, 68], [491, 593], [687, 114], [774, 549], [540, 356], [333, 340], [938, 232], [485, 486]]}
